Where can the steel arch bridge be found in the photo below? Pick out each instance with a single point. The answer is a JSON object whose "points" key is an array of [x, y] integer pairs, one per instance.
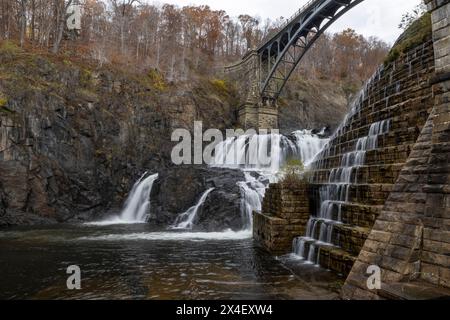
{"points": [[263, 72]]}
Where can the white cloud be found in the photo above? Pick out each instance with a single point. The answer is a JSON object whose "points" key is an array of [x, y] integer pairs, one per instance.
{"points": [[372, 17]]}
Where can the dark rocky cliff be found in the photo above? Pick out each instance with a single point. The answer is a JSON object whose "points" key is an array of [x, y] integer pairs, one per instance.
{"points": [[74, 138], [313, 105]]}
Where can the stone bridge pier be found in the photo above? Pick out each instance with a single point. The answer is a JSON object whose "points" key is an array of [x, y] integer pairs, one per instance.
{"points": [[263, 72], [254, 111]]}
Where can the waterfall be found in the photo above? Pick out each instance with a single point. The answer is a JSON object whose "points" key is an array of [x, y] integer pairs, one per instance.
{"points": [[256, 152], [252, 195], [137, 205], [336, 192], [308, 145], [186, 219], [267, 153], [263, 156]]}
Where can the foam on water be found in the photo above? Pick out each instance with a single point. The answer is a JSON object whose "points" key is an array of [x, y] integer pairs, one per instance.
{"points": [[112, 221], [173, 236]]}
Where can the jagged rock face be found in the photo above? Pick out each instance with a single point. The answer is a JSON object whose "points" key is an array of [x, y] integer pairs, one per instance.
{"points": [[73, 142], [179, 188], [311, 105]]}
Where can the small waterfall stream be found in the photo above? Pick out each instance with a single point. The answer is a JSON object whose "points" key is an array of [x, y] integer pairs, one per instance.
{"points": [[186, 219], [137, 205], [335, 193], [252, 193]]}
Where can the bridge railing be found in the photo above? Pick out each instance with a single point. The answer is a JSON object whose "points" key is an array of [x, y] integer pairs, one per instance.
{"points": [[296, 14], [288, 21]]}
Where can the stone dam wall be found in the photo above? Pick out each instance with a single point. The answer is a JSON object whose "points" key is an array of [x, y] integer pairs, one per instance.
{"points": [[285, 212], [410, 241], [398, 97], [379, 192]]}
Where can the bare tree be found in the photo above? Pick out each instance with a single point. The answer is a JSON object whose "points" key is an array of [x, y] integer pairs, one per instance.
{"points": [[123, 9], [61, 18]]}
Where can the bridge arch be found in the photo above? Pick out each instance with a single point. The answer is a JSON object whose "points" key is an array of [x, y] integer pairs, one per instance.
{"points": [[293, 41], [263, 72]]}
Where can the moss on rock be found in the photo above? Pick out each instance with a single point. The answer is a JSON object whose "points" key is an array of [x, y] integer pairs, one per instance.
{"points": [[419, 31]]}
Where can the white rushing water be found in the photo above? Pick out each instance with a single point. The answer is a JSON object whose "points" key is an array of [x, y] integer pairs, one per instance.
{"points": [[267, 153], [172, 236], [186, 219], [137, 205], [336, 193], [252, 194], [261, 158]]}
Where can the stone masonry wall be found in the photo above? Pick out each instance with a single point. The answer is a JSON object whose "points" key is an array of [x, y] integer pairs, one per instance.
{"points": [[402, 94], [284, 216], [410, 240], [257, 116]]}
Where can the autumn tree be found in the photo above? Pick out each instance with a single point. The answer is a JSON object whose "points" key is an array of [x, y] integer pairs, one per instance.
{"points": [[178, 42]]}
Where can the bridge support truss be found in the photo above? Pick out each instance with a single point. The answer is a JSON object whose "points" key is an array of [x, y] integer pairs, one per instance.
{"points": [[263, 72]]}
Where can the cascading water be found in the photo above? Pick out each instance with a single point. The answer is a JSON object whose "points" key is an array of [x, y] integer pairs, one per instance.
{"points": [[266, 153], [138, 203], [261, 157], [335, 193], [186, 219]]}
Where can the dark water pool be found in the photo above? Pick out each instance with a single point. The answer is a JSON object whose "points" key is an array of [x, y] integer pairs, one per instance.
{"points": [[137, 262]]}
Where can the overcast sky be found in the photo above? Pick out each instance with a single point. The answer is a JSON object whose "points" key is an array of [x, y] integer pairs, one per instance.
{"points": [[372, 17]]}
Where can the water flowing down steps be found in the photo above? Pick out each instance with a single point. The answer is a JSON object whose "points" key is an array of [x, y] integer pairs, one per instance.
{"points": [[320, 229]]}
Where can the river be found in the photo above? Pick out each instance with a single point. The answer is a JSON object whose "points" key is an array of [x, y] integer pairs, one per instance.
{"points": [[135, 261]]}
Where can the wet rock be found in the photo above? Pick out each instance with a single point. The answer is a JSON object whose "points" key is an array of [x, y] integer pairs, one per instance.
{"points": [[11, 217], [74, 141], [179, 188]]}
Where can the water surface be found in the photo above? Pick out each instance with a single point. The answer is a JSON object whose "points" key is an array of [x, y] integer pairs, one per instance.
{"points": [[136, 261]]}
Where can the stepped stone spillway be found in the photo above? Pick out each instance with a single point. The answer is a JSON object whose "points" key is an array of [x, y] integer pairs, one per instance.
{"points": [[355, 173], [380, 189], [410, 241]]}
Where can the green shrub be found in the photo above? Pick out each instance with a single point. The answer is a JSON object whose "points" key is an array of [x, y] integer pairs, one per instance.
{"points": [[220, 85], [85, 77], [9, 47], [156, 80], [3, 101]]}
